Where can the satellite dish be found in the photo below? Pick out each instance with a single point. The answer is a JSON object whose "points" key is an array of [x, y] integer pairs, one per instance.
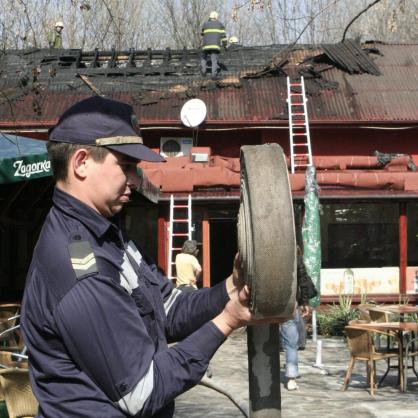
{"points": [[193, 113]]}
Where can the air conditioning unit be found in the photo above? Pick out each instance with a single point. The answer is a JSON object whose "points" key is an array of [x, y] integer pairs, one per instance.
{"points": [[175, 147]]}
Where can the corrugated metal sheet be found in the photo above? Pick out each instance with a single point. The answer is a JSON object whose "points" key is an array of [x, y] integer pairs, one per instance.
{"points": [[349, 56], [391, 97]]}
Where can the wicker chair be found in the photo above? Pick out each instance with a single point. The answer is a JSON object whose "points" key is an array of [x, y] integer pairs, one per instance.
{"points": [[10, 337], [7, 310], [17, 392], [379, 316], [361, 346], [364, 310], [9, 359], [411, 352]]}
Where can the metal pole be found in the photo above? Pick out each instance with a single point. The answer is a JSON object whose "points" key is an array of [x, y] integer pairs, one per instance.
{"points": [[318, 362], [314, 331], [264, 371]]}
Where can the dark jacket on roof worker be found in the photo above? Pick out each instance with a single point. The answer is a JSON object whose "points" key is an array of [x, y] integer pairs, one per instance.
{"points": [[55, 36], [213, 37]]}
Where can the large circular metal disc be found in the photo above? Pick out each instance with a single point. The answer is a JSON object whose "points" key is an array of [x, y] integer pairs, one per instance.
{"points": [[266, 231]]}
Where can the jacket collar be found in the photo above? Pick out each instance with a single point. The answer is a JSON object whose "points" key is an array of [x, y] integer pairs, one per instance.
{"points": [[75, 208]]}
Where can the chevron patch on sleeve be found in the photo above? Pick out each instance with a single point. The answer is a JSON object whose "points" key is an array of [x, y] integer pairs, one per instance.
{"points": [[82, 258]]}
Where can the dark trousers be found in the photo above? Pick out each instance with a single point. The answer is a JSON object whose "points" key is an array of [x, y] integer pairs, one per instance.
{"points": [[214, 60]]}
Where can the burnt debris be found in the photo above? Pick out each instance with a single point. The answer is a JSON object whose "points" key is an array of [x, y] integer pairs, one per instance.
{"points": [[153, 75]]}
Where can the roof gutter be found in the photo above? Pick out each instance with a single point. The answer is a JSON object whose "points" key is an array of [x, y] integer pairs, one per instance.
{"points": [[324, 195], [43, 126], [282, 123]]}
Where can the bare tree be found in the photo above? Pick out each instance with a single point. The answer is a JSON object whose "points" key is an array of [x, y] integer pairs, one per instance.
{"points": [[177, 23], [183, 20]]}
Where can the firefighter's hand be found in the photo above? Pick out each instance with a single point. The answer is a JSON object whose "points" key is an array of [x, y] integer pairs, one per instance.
{"points": [[235, 282], [236, 313]]}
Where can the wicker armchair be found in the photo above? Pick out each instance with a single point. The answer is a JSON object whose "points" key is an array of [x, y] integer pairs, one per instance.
{"points": [[361, 345], [17, 392], [10, 337], [364, 310], [9, 359]]}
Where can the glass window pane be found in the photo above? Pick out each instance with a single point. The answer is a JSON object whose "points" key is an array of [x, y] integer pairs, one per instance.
{"points": [[360, 235], [412, 214]]}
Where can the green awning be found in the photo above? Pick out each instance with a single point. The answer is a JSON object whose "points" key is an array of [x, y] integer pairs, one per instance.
{"points": [[23, 159]]}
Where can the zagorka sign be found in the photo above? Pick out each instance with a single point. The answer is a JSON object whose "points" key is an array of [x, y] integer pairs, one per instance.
{"points": [[28, 170]]}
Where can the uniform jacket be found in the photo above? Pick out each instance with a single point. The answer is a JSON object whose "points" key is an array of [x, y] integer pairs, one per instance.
{"points": [[214, 35], [97, 316]]}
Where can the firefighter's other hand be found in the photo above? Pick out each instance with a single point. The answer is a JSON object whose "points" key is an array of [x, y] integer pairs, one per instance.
{"points": [[236, 313], [237, 273]]}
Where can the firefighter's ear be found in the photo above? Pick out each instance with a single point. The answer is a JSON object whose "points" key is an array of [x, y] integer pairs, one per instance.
{"points": [[80, 162]]}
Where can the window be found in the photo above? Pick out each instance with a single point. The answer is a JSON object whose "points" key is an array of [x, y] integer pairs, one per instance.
{"points": [[412, 214], [360, 235]]}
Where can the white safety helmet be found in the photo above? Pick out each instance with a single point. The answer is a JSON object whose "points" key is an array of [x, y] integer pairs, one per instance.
{"points": [[214, 15], [59, 24], [233, 40]]}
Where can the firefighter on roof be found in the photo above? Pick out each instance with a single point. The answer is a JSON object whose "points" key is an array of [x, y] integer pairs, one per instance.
{"points": [[55, 35], [213, 37]]}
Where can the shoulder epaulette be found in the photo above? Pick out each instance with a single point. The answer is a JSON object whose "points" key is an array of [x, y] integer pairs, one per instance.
{"points": [[82, 258]]}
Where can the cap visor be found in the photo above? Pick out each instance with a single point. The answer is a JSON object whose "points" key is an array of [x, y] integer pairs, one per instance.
{"points": [[137, 151]]}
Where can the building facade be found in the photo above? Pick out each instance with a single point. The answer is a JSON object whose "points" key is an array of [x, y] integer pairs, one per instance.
{"points": [[363, 111]]}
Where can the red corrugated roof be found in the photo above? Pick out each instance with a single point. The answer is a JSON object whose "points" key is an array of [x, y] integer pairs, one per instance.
{"points": [[392, 97]]}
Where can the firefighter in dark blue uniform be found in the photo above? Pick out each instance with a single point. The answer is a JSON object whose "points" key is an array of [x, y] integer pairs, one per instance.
{"points": [[214, 36], [97, 314]]}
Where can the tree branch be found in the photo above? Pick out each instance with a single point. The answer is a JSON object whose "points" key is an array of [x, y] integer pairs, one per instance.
{"points": [[25, 8], [357, 16]]}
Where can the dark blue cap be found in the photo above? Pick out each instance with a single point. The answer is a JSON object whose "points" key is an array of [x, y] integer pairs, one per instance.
{"points": [[98, 121]]}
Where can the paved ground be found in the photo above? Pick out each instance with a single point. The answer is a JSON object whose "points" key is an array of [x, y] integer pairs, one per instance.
{"points": [[319, 394]]}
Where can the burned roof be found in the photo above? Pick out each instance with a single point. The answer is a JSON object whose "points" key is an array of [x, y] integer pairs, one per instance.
{"points": [[349, 57], [346, 82]]}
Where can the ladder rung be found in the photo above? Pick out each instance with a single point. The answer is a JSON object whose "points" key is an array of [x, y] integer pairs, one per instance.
{"points": [[297, 114], [300, 155], [296, 104], [303, 144], [300, 134], [296, 94], [295, 84], [177, 249], [180, 220], [178, 234], [180, 206], [297, 125]]}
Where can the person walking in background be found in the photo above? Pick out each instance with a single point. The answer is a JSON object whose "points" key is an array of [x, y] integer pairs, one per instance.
{"points": [[55, 35], [293, 332], [187, 266], [213, 37]]}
